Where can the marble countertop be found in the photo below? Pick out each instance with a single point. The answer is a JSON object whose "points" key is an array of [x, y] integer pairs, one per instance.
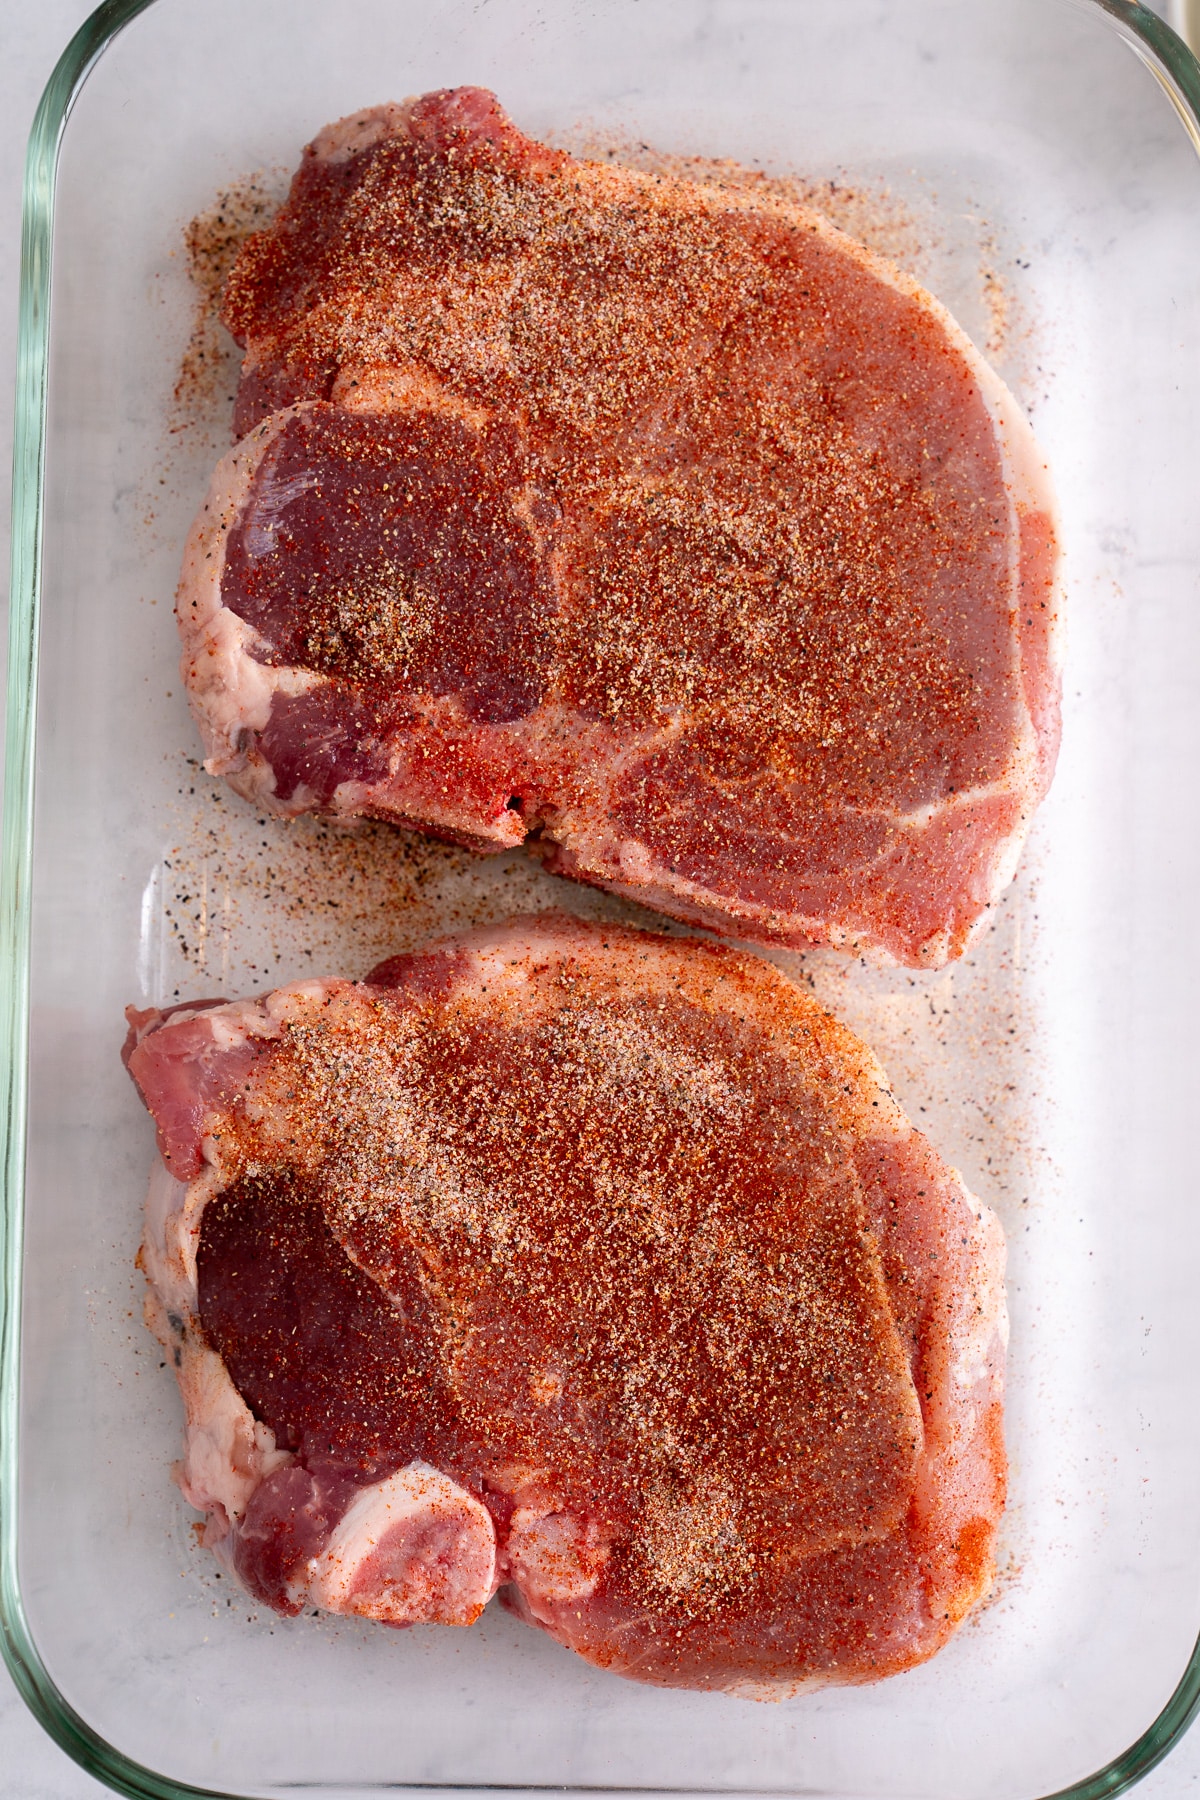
{"points": [[31, 1766]]}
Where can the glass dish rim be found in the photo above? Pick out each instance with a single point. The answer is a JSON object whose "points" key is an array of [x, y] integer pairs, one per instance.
{"points": [[1178, 72]]}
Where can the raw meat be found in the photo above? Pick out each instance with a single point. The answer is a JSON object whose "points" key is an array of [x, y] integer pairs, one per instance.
{"points": [[654, 521], [596, 1266]]}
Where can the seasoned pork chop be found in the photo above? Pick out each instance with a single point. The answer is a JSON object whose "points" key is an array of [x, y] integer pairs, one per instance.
{"points": [[660, 521], [595, 1266]]}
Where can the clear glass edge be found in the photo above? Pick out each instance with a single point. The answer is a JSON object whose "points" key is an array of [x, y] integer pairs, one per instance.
{"points": [[1178, 72]]}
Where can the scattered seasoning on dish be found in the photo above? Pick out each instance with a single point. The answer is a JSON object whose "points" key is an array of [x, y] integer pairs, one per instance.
{"points": [[212, 240], [244, 898]]}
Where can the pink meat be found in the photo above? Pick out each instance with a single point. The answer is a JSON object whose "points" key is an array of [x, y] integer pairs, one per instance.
{"points": [[594, 1266], [185, 1076], [657, 523]]}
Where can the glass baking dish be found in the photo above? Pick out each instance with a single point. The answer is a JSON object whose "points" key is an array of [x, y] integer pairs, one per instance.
{"points": [[1036, 175]]}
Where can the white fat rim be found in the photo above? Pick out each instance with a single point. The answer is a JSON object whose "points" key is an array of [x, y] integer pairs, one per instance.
{"points": [[229, 691]]}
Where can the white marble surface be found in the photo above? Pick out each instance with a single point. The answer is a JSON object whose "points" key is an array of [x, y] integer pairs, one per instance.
{"points": [[31, 1767]]}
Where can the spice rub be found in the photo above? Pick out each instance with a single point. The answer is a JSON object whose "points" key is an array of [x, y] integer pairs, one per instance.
{"points": [[649, 519], [594, 1266]]}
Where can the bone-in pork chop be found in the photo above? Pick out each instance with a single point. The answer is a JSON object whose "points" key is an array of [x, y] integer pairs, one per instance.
{"points": [[594, 1266], [655, 519]]}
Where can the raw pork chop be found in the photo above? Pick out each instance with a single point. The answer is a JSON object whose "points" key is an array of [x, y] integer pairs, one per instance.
{"points": [[658, 520], [598, 1266]]}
